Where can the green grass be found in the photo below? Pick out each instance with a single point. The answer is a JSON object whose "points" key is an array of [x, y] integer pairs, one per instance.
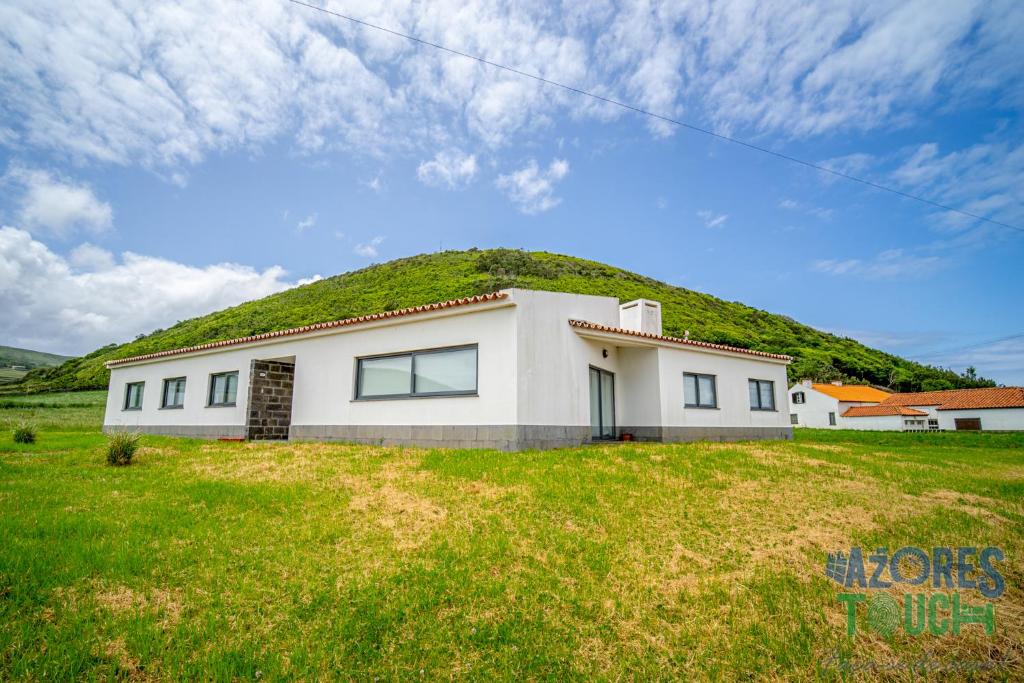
{"points": [[437, 277], [9, 376], [228, 561]]}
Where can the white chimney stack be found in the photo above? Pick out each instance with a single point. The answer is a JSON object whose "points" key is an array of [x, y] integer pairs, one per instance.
{"points": [[642, 315]]}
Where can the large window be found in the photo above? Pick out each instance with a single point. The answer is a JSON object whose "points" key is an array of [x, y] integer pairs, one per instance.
{"points": [[699, 391], [174, 393], [223, 389], [762, 394], [133, 395], [438, 372]]}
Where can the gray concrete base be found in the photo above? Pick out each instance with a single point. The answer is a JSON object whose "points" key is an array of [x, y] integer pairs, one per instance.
{"points": [[499, 437], [681, 434], [192, 431]]}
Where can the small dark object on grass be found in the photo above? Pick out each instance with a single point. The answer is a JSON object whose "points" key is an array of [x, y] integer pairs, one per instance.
{"points": [[121, 448], [24, 433]]}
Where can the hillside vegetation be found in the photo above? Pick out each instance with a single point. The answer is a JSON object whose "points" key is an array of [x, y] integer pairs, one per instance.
{"points": [[452, 274]]}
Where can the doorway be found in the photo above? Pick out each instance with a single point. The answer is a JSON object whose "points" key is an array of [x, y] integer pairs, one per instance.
{"points": [[271, 383], [602, 404]]}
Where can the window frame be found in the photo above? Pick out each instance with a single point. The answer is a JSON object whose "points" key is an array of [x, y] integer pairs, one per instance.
{"points": [[802, 398], [127, 392], [759, 407], [163, 393], [794, 419], [412, 393], [831, 419], [209, 390], [697, 376]]}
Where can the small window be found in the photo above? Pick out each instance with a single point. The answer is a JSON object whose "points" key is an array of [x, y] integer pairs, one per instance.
{"points": [[933, 424], [223, 389], [442, 372], [798, 397], [174, 393], [762, 394], [133, 395], [794, 419], [699, 391], [832, 419]]}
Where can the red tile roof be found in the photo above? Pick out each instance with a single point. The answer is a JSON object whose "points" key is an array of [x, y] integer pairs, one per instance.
{"points": [[962, 399], [879, 410], [493, 296], [583, 324], [852, 392]]}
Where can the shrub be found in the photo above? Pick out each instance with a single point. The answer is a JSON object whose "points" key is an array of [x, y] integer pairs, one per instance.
{"points": [[121, 448], [25, 433]]}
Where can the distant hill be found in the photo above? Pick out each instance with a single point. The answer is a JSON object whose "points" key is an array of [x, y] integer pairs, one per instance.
{"points": [[452, 274], [15, 363]]}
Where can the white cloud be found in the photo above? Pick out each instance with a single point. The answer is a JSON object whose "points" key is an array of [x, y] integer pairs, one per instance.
{"points": [[712, 219], [451, 169], [532, 189], [816, 211], [888, 264], [164, 83], [306, 223], [369, 249], [56, 206], [76, 305]]}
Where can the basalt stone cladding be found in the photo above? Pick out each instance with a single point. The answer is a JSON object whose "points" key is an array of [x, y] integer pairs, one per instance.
{"points": [[270, 400]]}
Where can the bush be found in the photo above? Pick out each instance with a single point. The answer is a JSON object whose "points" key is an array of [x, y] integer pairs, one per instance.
{"points": [[121, 448], [24, 433]]}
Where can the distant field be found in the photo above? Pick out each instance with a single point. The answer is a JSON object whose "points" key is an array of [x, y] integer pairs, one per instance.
{"points": [[231, 561], [8, 376]]}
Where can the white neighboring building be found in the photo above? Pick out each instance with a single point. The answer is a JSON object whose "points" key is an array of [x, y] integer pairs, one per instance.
{"points": [[823, 406], [859, 407], [998, 409], [510, 370]]}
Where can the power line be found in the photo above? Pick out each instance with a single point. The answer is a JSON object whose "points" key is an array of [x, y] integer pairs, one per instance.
{"points": [[661, 117], [977, 345]]}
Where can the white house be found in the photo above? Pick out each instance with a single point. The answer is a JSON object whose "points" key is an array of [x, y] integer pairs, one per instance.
{"points": [[984, 409], [824, 405], [510, 370], [859, 407]]}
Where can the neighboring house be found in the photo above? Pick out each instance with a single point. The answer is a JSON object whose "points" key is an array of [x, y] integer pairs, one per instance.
{"points": [[822, 405], [513, 369], [987, 409], [850, 407]]}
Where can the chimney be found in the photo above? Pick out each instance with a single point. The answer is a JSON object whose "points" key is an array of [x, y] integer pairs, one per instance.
{"points": [[642, 315], [806, 382]]}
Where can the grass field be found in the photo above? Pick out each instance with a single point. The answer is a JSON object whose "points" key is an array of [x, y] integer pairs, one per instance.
{"points": [[234, 561]]}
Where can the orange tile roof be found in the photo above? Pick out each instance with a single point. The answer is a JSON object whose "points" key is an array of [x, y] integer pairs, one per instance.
{"points": [[586, 325], [881, 409], [963, 399], [853, 392], [493, 296]]}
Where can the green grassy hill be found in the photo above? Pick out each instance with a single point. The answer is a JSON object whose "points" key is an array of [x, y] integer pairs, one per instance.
{"points": [[436, 277], [15, 363]]}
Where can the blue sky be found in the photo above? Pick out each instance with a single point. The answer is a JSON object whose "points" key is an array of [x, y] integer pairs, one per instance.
{"points": [[163, 160]]}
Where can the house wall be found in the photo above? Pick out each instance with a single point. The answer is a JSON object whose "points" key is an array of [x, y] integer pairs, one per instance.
{"points": [[890, 423], [814, 411], [734, 418], [323, 404], [992, 419], [553, 364]]}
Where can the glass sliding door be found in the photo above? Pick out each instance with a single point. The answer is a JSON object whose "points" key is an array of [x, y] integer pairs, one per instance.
{"points": [[602, 404]]}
